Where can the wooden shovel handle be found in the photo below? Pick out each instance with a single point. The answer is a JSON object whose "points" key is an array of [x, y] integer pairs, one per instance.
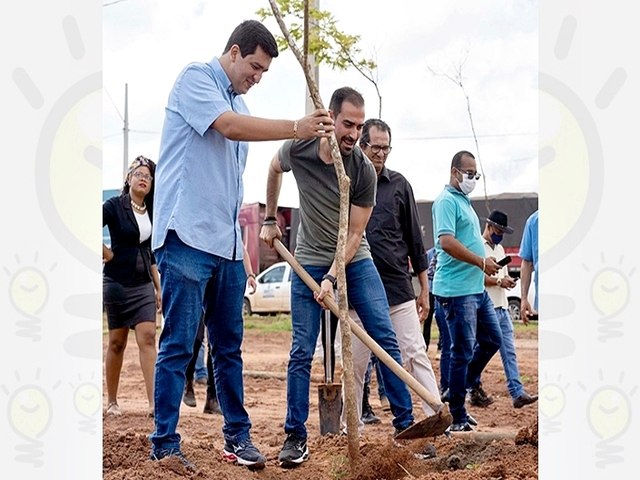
{"points": [[359, 332]]}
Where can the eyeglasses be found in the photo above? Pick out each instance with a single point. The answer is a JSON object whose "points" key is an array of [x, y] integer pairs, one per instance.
{"points": [[143, 176], [470, 175], [379, 148]]}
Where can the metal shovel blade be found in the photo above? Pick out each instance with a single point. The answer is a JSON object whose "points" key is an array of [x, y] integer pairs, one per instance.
{"points": [[329, 393], [431, 426], [330, 407]]}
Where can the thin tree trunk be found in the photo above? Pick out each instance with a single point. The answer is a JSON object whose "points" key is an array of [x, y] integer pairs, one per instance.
{"points": [[343, 183]]}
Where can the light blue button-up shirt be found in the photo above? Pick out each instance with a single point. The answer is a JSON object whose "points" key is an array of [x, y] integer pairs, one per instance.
{"points": [[453, 214], [198, 189], [529, 247]]}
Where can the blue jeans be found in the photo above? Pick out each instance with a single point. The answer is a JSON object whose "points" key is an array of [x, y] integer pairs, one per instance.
{"points": [[508, 355], [201, 365], [445, 345], [375, 363], [475, 338], [367, 297], [192, 279]]}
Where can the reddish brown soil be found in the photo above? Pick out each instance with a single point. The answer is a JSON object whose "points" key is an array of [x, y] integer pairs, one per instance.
{"points": [[512, 455]]}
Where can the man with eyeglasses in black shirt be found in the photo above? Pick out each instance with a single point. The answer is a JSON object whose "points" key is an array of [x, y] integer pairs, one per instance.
{"points": [[394, 236]]}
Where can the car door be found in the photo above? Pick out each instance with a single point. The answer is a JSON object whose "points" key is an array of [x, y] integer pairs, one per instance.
{"points": [[284, 294], [268, 293]]}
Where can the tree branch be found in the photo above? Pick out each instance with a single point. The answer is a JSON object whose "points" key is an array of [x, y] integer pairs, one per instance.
{"points": [[457, 79]]}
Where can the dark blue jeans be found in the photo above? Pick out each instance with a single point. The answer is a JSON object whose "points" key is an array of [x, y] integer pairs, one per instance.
{"points": [[190, 280], [375, 363], [368, 298], [445, 345], [508, 354], [475, 338]]}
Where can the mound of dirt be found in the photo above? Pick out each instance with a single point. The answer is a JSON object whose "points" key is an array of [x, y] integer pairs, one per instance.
{"points": [[506, 446]]}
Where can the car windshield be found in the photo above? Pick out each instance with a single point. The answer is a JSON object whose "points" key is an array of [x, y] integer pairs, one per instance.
{"points": [[273, 276]]}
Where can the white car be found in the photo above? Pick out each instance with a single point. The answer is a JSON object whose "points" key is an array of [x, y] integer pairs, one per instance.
{"points": [[273, 291], [513, 296]]}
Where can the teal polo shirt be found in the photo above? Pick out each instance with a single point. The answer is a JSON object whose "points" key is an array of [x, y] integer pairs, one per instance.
{"points": [[453, 214]]}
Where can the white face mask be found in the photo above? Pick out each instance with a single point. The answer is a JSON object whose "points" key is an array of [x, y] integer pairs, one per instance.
{"points": [[467, 184]]}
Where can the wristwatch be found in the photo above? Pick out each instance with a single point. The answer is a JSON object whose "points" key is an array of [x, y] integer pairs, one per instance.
{"points": [[331, 278], [499, 282]]}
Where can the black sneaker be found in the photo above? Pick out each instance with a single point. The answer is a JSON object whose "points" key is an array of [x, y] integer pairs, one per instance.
{"points": [[461, 427], [479, 398], [294, 451], [369, 418], [244, 453], [172, 452]]}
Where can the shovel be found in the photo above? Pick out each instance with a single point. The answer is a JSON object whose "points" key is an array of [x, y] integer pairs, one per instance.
{"points": [[329, 393], [431, 426]]}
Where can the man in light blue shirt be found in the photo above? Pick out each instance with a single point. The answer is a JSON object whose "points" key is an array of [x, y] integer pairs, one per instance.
{"points": [[196, 234], [458, 285]]}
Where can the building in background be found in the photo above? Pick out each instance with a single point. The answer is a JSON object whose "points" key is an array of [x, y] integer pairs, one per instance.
{"points": [[517, 206]]}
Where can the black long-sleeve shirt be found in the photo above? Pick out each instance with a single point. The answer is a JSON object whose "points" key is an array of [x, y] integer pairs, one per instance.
{"points": [[393, 233]]}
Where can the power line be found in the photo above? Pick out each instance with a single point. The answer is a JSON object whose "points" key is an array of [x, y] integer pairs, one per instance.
{"points": [[453, 137], [113, 103], [112, 135], [149, 132]]}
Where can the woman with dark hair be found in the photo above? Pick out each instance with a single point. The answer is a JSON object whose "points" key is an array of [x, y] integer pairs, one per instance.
{"points": [[131, 283]]}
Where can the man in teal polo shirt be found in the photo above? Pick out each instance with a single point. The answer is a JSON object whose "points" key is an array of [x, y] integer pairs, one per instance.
{"points": [[458, 284]]}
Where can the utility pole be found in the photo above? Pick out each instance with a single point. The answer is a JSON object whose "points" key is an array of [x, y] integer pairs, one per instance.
{"points": [[125, 130]]}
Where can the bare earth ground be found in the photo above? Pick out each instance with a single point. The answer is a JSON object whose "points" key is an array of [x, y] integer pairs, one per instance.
{"points": [[126, 446]]}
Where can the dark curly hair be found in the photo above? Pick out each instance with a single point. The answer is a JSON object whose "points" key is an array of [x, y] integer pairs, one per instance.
{"points": [[141, 161]]}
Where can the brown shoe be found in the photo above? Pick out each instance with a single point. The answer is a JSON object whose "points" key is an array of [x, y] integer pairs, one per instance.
{"points": [[189, 397], [524, 399], [212, 406]]}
